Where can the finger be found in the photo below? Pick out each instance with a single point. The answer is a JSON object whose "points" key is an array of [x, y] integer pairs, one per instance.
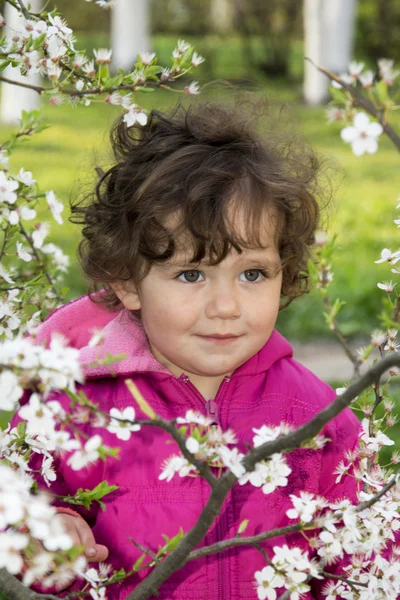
{"points": [[101, 554], [86, 537], [70, 528]]}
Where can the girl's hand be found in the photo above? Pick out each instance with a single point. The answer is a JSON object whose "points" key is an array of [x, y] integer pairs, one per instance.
{"points": [[82, 535]]}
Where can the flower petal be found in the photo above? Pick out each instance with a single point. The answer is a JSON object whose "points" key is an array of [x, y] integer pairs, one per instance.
{"points": [[361, 120]]}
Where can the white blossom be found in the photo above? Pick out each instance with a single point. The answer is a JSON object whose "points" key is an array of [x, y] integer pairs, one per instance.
{"points": [[10, 545], [88, 454], [388, 256], [135, 114], [374, 443], [122, 429], [196, 60], [60, 260], [195, 417], [192, 89], [367, 79], [55, 206], [5, 274], [192, 445], [355, 69], [10, 390], [7, 187], [304, 507], [147, 57], [267, 580], [387, 286], [175, 464], [180, 49], [102, 56], [386, 71], [362, 135], [23, 253], [40, 233], [232, 459]]}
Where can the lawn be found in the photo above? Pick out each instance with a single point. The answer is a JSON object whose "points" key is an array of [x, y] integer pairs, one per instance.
{"points": [[62, 158]]}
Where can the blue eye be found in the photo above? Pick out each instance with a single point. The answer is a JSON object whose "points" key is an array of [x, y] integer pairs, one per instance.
{"points": [[189, 276]]}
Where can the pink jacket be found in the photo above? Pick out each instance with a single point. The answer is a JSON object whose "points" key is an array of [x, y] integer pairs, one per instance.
{"points": [[269, 388]]}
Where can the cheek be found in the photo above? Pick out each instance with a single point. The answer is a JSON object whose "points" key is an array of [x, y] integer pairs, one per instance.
{"points": [[164, 310]]}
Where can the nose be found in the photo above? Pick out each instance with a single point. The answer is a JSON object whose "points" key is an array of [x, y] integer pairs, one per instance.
{"points": [[223, 303]]}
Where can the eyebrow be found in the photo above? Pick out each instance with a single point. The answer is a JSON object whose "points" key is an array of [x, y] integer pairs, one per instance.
{"points": [[272, 264]]}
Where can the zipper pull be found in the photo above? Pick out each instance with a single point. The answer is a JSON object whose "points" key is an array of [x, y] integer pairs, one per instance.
{"points": [[212, 411]]}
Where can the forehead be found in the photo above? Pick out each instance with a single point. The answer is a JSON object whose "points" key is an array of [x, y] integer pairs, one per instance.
{"points": [[256, 230]]}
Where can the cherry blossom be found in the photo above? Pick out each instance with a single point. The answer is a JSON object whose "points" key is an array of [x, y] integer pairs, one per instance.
{"points": [[87, 455], [387, 286], [122, 429], [196, 60], [175, 464], [362, 135], [388, 256], [7, 189], [267, 580], [366, 79], [23, 253], [10, 545], [192, 89], [135, 115], [55, 206], [10, 390], [304, 507], [102, 56], [147, 57]]}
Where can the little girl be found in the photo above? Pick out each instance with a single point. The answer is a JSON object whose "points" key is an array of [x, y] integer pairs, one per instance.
{"points": [[197, 236]]}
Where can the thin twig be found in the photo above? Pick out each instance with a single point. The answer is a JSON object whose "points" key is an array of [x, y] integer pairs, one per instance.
{"points": [[24, 11], [336, 329], [351, 583], [41, 266], [144, 550], [293, 440]]}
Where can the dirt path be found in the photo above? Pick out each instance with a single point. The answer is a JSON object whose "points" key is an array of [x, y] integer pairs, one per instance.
{"points": [[326, 359]]}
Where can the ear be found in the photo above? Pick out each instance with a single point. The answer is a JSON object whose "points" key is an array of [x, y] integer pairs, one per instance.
{"points": [[127, 294]]}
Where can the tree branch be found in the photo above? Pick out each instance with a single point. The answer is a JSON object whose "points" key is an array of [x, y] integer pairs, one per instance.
{"points": [[15, 590], [23, 9], [293, 440], [363, 103]]}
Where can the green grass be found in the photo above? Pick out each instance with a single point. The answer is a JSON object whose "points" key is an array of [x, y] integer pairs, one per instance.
{"points": [[62, 158]]}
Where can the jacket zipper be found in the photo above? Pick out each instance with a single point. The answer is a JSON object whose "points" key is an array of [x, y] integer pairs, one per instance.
{"points": [[211, 406], [212, 412]]}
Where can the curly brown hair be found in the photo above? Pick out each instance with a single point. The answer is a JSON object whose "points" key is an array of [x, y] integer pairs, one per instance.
{"points": [[192, 163]]}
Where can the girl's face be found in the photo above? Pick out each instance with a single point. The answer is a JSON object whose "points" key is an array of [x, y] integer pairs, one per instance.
{"points": [[186, 308]]}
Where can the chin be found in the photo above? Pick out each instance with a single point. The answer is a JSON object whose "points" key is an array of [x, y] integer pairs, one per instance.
{"points": [[212, 371]]}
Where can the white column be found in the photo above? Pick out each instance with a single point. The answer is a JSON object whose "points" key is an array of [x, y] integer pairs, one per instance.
{"points": [[221, 15], [15, 99], [129, 31], [328, 41]]}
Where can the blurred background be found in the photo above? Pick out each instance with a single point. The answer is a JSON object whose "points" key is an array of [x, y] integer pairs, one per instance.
{"points": [[260, 46]]}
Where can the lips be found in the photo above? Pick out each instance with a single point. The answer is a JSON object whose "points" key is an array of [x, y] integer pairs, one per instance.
{"points": [[225, 336]]}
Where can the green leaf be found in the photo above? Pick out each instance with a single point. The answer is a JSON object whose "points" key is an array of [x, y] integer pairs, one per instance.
{"points": [[138, 563], [86, 497], [381, 91], [153, 70], [172, 543], [243, 526], [37, 43], [338, 95]]}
